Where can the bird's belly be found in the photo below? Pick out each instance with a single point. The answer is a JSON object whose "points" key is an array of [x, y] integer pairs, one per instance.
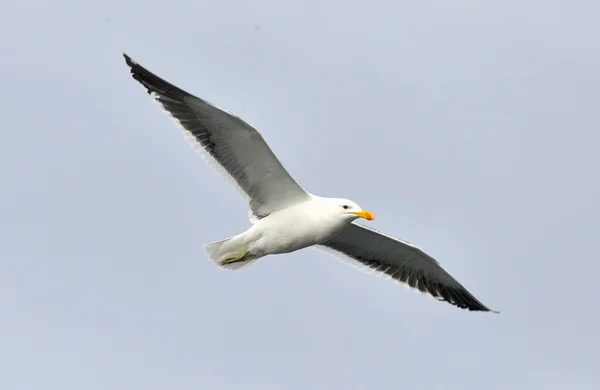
{"points": [[288, 235]]}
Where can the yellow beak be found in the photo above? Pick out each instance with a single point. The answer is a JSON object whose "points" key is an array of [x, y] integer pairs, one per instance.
{"points": [[369, 216]]}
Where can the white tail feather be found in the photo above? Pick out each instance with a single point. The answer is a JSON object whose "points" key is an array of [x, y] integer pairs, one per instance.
{"points": [[220, 250]]}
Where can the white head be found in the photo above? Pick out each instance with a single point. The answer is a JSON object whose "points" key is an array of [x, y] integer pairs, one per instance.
{"points": [[349, 210]]}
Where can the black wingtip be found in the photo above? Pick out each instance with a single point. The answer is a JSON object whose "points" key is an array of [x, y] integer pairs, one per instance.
{"points": [[153, 83], [485, 309], [131, 63]]}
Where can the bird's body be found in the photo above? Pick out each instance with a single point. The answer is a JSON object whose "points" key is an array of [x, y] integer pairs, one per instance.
{"points": [[311, 222], [293, 228], [287, 218]]}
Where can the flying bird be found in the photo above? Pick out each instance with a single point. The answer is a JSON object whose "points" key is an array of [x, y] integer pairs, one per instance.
{"points": [[284, 216]]}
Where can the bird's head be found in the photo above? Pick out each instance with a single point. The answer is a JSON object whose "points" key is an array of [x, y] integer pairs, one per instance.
{"points": [[350, 210]]}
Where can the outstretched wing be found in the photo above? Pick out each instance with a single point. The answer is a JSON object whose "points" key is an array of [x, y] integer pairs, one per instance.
{"points": [[236, 149], [402, 261]]}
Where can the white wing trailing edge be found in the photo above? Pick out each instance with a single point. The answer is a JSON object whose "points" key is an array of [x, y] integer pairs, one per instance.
{"points": [[403, 262], [236, 149]]}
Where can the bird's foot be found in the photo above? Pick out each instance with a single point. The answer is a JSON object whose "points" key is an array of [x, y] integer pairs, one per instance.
{"points": [[237, 258]]}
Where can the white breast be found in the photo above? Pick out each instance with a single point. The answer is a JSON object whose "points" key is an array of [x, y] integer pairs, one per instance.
{"points": [[300, 226]]}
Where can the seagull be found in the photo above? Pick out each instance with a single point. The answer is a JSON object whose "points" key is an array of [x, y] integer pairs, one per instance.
{"points": [[284, 216]]}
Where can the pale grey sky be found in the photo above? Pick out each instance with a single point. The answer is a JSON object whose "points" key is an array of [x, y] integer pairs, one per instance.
{"points": [[470, 128]]}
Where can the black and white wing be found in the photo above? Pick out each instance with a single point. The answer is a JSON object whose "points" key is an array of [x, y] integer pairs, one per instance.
{"points": [[402, 261], [235, 148]]}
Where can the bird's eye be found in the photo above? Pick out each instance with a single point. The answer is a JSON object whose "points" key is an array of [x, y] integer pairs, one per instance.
{"points": [[346, 207]]}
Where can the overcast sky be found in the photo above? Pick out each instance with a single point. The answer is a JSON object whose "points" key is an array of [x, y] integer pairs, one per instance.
{"points": [[470, 128]]}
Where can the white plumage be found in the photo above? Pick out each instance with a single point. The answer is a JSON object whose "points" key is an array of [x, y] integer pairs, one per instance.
{"points": [[285, 217]]}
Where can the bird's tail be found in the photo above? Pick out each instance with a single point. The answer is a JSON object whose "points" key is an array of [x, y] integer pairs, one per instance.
{"points": [[230, 253]]}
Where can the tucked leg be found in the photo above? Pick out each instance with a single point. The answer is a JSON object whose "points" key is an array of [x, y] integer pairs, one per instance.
{"points": [[236, 258]]}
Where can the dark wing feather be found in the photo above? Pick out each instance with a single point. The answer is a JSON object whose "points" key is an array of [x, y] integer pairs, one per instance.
{"points": [[401, 261], [234, 147]]}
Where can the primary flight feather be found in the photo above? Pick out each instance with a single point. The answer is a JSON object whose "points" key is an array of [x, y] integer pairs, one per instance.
{"points": [[285, 217]]}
